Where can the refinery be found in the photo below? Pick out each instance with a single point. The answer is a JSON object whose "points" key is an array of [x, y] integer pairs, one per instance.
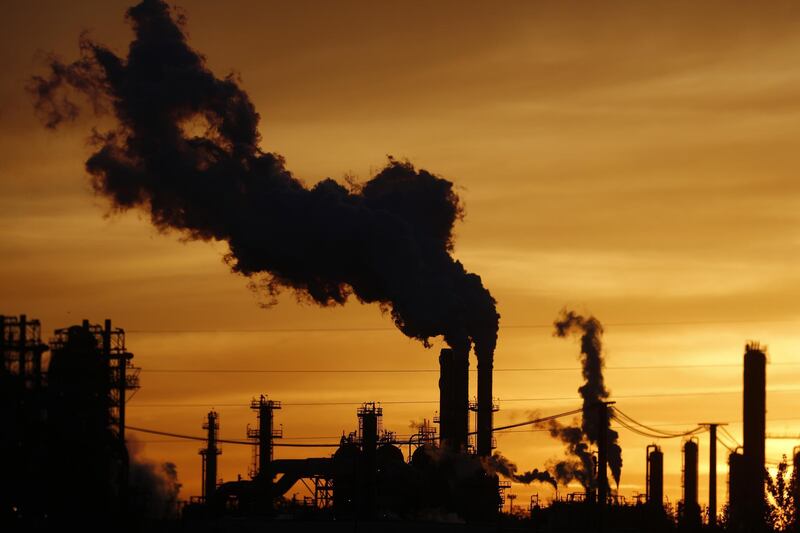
{"points": [[64, 407], [182, 147]]}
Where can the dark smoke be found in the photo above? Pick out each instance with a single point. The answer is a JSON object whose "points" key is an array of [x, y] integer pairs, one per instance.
{"points": [[535, 475], [499, 464], [581, 470], [593, 391], [386, 241]]}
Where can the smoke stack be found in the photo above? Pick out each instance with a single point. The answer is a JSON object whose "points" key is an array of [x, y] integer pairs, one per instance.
{"points": [[454, 398], [264, 435], [368, 415], [754, 408], [736, 487], [655, 476], [691, 507], [387, 241], [210, 453], [486, 406]]}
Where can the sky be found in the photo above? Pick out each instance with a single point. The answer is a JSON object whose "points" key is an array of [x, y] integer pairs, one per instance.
{"points": [[631, 161]]}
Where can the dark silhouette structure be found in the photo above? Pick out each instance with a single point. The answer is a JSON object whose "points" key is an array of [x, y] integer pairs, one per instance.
{"points": [[690, 508], [754, 407], [453, 399], [209, 455], [387, 241], [67, 424], [712, 474], [654, 477], [737, 490]]}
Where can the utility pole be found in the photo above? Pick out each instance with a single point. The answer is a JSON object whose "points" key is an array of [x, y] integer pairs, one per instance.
{"points": [[712, 472]]}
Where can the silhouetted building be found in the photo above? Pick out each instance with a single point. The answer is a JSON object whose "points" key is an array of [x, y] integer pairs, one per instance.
{"points": [[754, 408], [655, 476], [690, 508]]}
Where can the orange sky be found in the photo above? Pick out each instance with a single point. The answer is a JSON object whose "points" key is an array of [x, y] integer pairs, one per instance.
{"points": [[635, 162]]}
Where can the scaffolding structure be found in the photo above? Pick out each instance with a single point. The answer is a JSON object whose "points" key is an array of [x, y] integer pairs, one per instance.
{"points": [[264, 435], [123, 377], [21, 349], [209, 456]]}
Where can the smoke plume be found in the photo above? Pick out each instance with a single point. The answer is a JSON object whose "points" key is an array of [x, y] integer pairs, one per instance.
{"points": [[593, 391], [386, 241], [154, 487], [499, 464]]}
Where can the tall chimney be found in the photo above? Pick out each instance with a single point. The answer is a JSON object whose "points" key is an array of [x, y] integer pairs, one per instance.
{"points": [[368, 415], [210, 453], [485, 406], [736, 488], [655, 476], [754, 407], [454, 398]]}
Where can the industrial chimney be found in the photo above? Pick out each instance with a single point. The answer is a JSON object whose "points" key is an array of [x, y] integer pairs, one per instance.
{"points": [[486, 407], [690, 515], [210, 453], [369, 415], [264, 435], [754, 408], [454, 399], [655, 476], [736, 487]]}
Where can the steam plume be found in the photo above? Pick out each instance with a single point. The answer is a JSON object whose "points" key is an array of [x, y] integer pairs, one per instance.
{"points": [[154, 487], [499, 464], [593, 391], [386, 241]]}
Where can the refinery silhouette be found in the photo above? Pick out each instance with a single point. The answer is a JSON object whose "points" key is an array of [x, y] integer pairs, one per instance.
{"points": [[66, 459]]}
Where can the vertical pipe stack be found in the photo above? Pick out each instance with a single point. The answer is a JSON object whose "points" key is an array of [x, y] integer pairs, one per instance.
{"points": [[691, 507], [368, 421], [754, 407], [454, 398], [736, 488], [485, 406], [712, 475], [446, 396], [210, 454], [655, 476]]}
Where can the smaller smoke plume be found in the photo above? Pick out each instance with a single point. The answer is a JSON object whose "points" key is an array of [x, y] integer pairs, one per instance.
{"points": [[593, 391], [499, 464], [581, 470], [535, 475], [154, 487]]}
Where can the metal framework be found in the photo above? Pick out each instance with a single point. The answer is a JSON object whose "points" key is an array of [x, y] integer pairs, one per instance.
{"points": [[123, 376], [264, 434], [21, 348], [209, 455]]}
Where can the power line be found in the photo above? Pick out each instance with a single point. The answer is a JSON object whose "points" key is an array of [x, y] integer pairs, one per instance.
{"points": [[428, 370], [147, 331], [307, 445], [728, 435], [633, 425], [666, 434], [226, 441], [418, 402]]}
